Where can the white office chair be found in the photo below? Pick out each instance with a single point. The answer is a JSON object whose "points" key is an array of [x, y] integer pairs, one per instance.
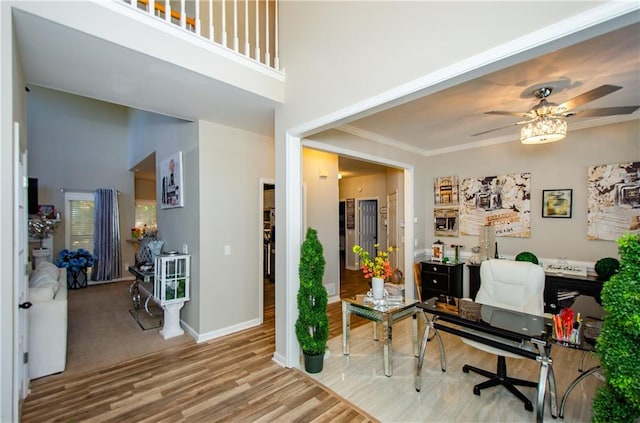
{"points": [[513, 285]]}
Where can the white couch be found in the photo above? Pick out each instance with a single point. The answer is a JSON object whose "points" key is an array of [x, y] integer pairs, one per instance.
{"points": [[47, 320]]}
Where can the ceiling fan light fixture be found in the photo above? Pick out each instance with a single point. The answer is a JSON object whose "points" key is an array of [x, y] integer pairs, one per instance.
{"points": [[544, 129]]}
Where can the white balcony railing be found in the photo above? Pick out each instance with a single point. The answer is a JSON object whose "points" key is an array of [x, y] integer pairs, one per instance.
{"points": [[247, 27]]}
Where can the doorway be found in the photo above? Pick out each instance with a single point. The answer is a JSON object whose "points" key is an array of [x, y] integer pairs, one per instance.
{"points": [[267, 281]]}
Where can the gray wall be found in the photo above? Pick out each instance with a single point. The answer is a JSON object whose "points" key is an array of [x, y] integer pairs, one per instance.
{"points": [[222, 210], [149, 133], [552, 166], [232, 164], [79, 144]]}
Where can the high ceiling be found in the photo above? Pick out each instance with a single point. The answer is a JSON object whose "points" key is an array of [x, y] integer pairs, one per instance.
{"points": [[439, 122]]}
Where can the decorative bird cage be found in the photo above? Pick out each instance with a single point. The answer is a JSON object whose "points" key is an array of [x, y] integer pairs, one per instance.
{"points": [[171, 281]]}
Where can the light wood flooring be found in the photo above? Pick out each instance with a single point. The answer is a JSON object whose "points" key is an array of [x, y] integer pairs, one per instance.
{"points": [[232, 378], [235, 379]]}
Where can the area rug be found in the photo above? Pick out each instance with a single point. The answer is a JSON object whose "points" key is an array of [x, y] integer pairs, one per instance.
{"points": [[102, 332]]}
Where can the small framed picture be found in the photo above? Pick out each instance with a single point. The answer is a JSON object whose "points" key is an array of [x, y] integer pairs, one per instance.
{"points": [[557, 202], [47, 211], [437, 252]]}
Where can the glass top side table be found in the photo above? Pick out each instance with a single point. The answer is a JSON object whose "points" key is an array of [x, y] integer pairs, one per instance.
{"points": [[387, 311]]}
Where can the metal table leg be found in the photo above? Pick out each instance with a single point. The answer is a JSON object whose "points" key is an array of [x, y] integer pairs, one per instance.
{"points": [[423, 347], [346, 325], [546, 375], [575, 382]]}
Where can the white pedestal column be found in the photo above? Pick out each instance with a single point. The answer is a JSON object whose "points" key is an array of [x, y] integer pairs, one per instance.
{"points": [[171, 327], [40, 255], [48, 243]]}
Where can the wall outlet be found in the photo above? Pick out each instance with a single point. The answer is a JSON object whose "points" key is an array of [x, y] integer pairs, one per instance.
{"points": [[185, 249], [227, 250]]}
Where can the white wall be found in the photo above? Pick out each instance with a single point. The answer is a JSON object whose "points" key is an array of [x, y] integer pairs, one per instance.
{"points": [[336, 55], [333, 74], [79, 144], [232, 163]]}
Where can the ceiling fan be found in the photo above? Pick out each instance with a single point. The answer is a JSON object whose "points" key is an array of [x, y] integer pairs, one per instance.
{"points": [[546, 121]]}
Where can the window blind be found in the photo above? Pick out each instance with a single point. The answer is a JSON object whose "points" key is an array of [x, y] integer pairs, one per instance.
{"points": [[81, 224]]}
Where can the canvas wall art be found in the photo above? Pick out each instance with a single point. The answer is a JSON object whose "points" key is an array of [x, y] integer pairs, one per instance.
{"points": [[171, 185], [613, 206], [501, 201], [446, 191], [446, 200]]}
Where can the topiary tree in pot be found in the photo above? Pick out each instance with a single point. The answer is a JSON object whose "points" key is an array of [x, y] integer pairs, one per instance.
{"points": [[312, 326], [618, 345], [606, 267]]}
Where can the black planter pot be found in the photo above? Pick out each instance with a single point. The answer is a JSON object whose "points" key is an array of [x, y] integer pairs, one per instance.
{"points": [[313, 362], [77, 279]]}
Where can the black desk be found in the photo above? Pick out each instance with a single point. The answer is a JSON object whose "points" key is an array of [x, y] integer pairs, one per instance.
{"points": [[519, 333], [584, 285], [554, 282]]}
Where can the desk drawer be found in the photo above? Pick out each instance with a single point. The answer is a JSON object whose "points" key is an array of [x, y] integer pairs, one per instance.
{"points": [[441, 279], [436, 282], [436, 268]]}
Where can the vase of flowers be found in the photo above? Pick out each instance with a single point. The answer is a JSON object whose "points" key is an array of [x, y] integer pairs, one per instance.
{"points": [[377, 268], [76, 262]]}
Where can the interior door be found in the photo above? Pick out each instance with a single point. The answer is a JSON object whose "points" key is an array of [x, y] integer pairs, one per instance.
{"points": [[368, 225], [21, 315]]}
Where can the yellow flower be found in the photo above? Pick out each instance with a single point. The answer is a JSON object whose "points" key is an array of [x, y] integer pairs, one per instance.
{"points": [[379, 266]]}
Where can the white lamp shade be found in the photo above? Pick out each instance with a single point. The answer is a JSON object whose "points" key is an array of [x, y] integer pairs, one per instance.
{"points": [[544, 129]]}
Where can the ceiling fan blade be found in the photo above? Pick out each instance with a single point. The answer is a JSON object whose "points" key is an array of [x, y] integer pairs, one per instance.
{"points": [[587, 97], [502, 127], [605, 111], [503, 113]]}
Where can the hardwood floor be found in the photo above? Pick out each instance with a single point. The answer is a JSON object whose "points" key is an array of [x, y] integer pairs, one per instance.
{"points": [[232, 378], [235, 379]]}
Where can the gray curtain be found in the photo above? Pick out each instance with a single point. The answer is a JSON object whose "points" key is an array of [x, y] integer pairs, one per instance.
{"points": [[106, 243]]}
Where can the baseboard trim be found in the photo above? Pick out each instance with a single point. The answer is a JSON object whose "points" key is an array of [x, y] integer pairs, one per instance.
{"points": [[279, 359], [123, 279], [222, 332]]}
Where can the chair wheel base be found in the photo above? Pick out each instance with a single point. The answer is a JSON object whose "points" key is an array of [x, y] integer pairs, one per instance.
{"points": [[476, 390], [465, 369], [528, 406]]}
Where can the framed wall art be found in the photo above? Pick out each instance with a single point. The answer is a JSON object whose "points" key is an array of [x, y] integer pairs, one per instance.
{"points": [[613, 203], [48, 211], [500, 201], [557, 203], [171, 184]]}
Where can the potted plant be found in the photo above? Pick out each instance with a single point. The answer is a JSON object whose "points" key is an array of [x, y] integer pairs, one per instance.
{"points": [[377, 268], [312, 326], [527, 256], [76, 262], [618, 345], [606, 267]]}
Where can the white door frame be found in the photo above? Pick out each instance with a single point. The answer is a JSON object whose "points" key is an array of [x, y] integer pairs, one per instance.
{"points": [[20, 316], [263, 182]]}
